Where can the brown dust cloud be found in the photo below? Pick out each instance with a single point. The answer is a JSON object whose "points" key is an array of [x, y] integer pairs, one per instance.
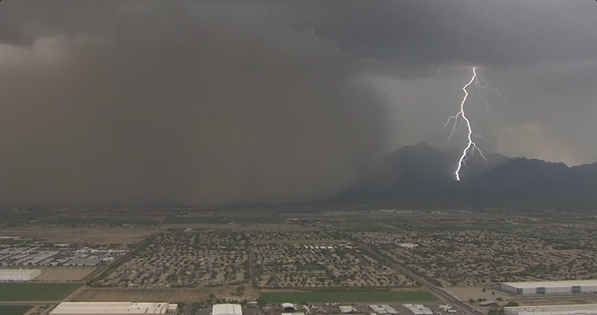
{"points": [[141, 104]]}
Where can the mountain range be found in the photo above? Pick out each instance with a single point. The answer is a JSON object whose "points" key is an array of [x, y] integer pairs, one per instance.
{"points": [[422, 172]]}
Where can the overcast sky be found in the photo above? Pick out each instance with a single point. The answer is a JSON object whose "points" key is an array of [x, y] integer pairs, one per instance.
{"points": [[273, 101]]}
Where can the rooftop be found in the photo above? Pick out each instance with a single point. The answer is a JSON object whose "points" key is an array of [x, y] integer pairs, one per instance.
{"points": [[116, 308], [555, 309], [568, 283], [226, 309]]}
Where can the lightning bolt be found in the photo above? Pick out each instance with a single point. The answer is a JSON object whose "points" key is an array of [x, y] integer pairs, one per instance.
{"points": [[482, 84], [472, 145]]}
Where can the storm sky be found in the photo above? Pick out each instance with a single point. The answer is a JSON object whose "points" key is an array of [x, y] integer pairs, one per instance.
{"points": [[276, 101]]}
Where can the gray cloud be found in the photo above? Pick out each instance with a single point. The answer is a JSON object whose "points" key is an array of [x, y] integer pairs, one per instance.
{"points": [[541, 54], [143, 103], [506, 33], [263, 100]]}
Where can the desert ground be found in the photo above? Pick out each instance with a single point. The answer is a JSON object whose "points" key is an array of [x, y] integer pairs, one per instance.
{"points": [[80, 234], [60, 274]]}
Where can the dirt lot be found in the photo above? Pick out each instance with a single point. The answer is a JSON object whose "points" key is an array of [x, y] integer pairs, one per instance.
{"points": [[61, 274], [79, 235], [170, 295], [467, 293], [237, 227]]}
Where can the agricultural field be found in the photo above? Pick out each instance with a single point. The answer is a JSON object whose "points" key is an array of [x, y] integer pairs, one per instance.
{"points": [[195, 220], [423, 228], [79, 234], [14, 309], [98, 221], [125, 295], [346, 296], [366, 225], [13, 292], [256, 220], [222, 220]]}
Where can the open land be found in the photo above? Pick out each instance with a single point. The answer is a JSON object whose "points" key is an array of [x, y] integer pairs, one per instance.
{"points": [[13, 292], [94, 235], [14, 309], [61, 274]]}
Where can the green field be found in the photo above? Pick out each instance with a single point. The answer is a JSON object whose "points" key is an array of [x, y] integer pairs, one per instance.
{"points": [[11, 292], [212, 220], [195, 220], [347, 296], [14, 310], [22, 216], [256, 220], [77, 221], [367, 225]]}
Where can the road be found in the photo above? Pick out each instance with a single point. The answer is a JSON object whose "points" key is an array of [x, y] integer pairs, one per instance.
{"points": [[437, 291], [253, 269]]}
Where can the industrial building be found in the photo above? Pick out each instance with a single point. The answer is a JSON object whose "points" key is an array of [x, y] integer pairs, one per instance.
{"points": [[345, 309], [113, 308], [289, 307], [19, 275], [550, 287], [418, 309], [226, 309], [577, 309], [383, 309]]}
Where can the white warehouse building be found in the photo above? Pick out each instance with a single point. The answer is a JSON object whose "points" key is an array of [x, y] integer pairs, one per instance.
{"points": [[226, 309], [113, 308], [550, 287], [19, 275], [577, 309]]}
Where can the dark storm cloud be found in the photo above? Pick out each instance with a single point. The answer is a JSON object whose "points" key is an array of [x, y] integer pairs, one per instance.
{"points": [[481, 32], [129, 102], [540, 53]]}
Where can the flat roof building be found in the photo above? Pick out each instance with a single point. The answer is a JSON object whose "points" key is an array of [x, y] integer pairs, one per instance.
{"points": [[226, 309], [289, 307], [550, 287], [113, 308], [576, 309], [19, 275]]}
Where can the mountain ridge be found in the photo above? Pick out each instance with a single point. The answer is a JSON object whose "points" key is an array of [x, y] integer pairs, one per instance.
{"points": [[422, 171]]}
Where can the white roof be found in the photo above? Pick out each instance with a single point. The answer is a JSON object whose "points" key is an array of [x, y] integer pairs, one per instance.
{"points": [[551, 284], [556, 309], [115, 308], [226, 309], [18, 271]]}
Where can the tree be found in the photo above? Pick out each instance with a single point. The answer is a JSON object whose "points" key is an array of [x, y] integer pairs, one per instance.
{"points": [[471, 301]]}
